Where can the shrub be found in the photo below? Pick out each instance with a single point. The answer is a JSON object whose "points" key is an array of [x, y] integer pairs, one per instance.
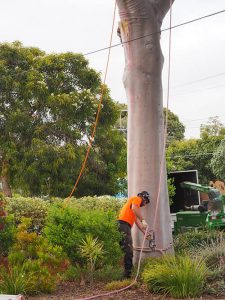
{"points": [[214, 254], [101, 203], [34, 208], [180, 277], [191, 240], [32, 257], [7, 235], [67, 227]]}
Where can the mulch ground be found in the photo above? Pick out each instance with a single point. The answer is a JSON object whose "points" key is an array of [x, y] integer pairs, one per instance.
{"points": [[73, 291]]}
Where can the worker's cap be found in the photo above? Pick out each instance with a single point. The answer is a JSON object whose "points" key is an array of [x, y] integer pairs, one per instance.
{"points": [[145, 196]]}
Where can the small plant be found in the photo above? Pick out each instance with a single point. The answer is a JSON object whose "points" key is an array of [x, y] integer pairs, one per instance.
{"points": [[117, 285], [180, 277], [92, 250], [109, 273], [16, 281]]}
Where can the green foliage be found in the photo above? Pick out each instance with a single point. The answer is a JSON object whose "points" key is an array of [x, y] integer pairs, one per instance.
{"points": [[34, 208], [179, 155], [217, 162], [171, 189], [213, 128], [33, 258], [67, 227], [92, 250], [117, 285], [7, 235], [48, 108], [6, 228], [15, 281], [109, 273], [214, 254], [204, 153], [101, 203], [193, 240], [180, 276], [175, 129], [193, 154]]}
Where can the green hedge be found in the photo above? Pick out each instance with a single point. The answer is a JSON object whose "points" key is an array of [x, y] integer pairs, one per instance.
{"points": [[34, 208], [66, 227]]}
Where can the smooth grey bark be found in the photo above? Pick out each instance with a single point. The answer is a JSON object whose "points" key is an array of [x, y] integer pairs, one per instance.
{"points": [[142, 81]]}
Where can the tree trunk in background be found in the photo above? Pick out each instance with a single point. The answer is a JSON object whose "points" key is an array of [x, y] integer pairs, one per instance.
{"points": [[4, 179], [142, 81]]}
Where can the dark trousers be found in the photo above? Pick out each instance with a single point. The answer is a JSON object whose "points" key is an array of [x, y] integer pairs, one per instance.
{"points": [[126, 246]]}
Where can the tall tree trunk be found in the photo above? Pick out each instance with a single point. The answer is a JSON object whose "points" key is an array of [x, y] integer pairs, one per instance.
{"points": [[142, 81], [4, 178]]}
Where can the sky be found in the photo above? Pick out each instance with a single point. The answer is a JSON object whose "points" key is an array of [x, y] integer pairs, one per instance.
{"points": [[197, 84]]}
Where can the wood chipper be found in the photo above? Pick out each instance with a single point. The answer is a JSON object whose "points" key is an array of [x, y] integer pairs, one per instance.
{"points": [[210, 214]]}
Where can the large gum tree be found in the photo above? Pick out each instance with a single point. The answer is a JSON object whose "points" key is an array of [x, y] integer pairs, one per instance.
{"points": [[143, 85]]}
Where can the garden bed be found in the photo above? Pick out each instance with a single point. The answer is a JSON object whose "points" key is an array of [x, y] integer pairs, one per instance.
{"points": [[73, 291]]}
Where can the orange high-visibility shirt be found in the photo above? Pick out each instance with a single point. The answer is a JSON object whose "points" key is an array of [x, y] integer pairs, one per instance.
{"points": [[126, 213]]}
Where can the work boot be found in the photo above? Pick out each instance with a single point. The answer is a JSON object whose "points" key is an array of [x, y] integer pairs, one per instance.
{"points": [[127, 274]]}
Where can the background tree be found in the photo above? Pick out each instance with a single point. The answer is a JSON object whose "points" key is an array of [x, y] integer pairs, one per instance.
{"points": [[47, 109], [142, 81], [175, 129], [217, 163], [213, 128], [193, 154], [180, 154]]}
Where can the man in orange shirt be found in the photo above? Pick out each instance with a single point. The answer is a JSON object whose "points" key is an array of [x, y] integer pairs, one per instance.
{"points": [[130, 214]]}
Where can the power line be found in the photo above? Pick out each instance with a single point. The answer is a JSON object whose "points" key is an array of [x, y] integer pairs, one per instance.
{"points": [[203, 118], [198, 80], [195, 155], [199, 91], [156, 32]]}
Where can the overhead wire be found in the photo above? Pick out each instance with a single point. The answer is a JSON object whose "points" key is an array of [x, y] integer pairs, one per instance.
{"points": [[195, 155], [156, 32], [198, 80], [187, 120]]}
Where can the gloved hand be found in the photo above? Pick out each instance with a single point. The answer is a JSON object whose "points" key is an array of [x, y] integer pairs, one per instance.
{"points": [[144, 224], [149, 237]]}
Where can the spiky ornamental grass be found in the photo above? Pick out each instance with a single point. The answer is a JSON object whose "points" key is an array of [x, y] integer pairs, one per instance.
{"points": [[179, 277]]}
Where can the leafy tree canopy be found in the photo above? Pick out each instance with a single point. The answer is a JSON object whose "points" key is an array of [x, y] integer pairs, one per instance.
{"points": [[48, 104], [175, 129], [217, 163], [212, 128], [193, 154]]}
